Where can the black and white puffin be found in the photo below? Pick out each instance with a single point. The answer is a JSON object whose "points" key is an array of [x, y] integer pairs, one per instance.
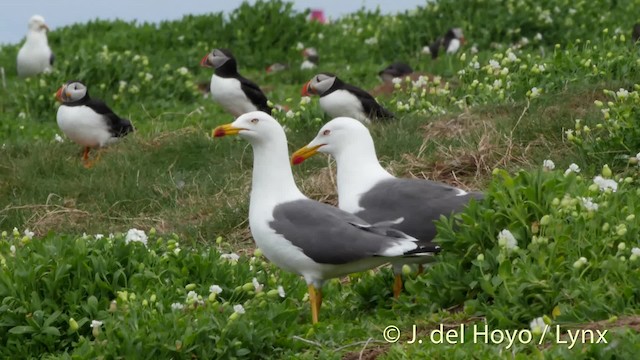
{"points": [[451, 43], [338, 98], [234, 92], [86, 121], [397, 69], [35, 55], [311, 58]]}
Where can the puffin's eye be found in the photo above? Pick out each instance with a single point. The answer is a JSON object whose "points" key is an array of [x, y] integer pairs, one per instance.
{"points": [[255, 120], [326, 132]]}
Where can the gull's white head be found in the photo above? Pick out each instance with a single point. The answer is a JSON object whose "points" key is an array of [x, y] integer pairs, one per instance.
{"points": [[36, 23], [256, 127], [335, 137]]}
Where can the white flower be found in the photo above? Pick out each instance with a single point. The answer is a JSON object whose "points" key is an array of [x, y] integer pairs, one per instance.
{"points": [[396, 80], [177, 250], [239, 309], [426, 50], [282, 294], [548, 165], [474, 65], [192, 297], [635, 251], [136, 235], [572, 11], [12, 248], [181, 38], [371, 41], [524, 41], [99, 236], [535, 92], [538, 36], [233, 257], [589, 204], [494, 64], [305, 100], [497, 84], [537, 325], [96, 324], [511, 56], [22, 115], [177, 306], [580, 262], [474, 49], [299, 46], [605, 184], [28, 233], [622, 93], [507, 240], [290, 114], [148, 77], [58, 138], [320, 36], [256, 285], [572, 168], [183, 71], [215, 289]]}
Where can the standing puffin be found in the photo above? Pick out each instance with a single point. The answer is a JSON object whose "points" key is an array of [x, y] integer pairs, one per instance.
{"points": [[338, 98], [311, 58], [86, 121], [397, 69], [235, 93], [451, 42], [35, 56]]}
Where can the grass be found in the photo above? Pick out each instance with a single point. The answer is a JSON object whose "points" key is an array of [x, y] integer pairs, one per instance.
{"points": [[188, 191]]}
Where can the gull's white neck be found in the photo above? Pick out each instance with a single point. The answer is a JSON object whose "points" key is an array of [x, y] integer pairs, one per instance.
{"points": [[36, 38], [358, 171], [273, 181]]}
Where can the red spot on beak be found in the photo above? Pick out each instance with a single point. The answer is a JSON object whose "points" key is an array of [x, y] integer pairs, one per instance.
{"points": [[205, 61], [297, 160], [219, 132], [305, 89]]}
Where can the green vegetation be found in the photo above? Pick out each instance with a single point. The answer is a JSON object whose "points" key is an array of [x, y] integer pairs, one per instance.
{"points": [[570, 255]]}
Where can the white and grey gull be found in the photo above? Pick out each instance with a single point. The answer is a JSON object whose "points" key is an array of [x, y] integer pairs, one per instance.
{"points": [[370, 192], [35, 55], [303, 236]]}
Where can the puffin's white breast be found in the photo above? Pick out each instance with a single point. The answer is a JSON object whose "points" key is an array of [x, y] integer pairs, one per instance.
{"points": [[228, 93], [84, 126], [343, 103]]}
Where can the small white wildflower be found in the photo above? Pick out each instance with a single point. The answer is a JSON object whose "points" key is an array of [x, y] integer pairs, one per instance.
{"points": [[181, 38], [12, 248], [572, 168], [371, 41], [58, 138], [148, 77], [589, 204], [538, 36], [136, 235], [192, 297], [497, 84], [396, 80], [512, 57], [305, 100], [320, 36], [548, 165], [535, 92], [524, 41], [96, 324], [99, 236], [605, 184], [183, 71], [256, 285], [426, 50], [233, 257], [282, 294], [299, 46], [238, 309], [28, 233], [177, 306], [635, 251], [22, 115], [537, 325], [176, 251], [215, 289], [474, 50], [622, 93], [494, 64], [290, 114], [507, 240]]}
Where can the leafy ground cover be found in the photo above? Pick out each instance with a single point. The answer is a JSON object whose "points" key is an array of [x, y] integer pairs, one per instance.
{"points": [[556, 243]]}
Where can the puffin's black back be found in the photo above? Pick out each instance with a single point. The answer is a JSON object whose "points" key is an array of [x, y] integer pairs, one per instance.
{"points": [[369, 104]]}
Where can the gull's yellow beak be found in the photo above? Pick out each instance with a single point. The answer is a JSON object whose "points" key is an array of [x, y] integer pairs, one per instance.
{"points": [[304, 153], [224, 130]]}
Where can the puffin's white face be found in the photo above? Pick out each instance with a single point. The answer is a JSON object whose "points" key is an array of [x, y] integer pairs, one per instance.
{"points": [[320, 84], [36, 23], [255, 127], [457, 32], [333, 138], [71, 92], [215, 59]]}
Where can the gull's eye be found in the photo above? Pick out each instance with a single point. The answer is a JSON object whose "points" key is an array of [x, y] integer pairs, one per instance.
{"points": [[255, 120], [326, 132]]}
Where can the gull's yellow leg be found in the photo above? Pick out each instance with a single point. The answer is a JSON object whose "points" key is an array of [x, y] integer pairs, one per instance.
{"points": [[314, 304], [397, 286]]}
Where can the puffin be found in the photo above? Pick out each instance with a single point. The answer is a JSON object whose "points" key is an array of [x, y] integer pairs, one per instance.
{"points": [[338, 98], [235, 93], [451, 42], [311, 58], [35, 55], [396, 69], [88, 122]]}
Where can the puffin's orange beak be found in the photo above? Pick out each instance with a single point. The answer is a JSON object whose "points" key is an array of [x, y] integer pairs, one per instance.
{"points": [[307, 90], [59, 94], [205, 61], [224, 130], [304, 153]]}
